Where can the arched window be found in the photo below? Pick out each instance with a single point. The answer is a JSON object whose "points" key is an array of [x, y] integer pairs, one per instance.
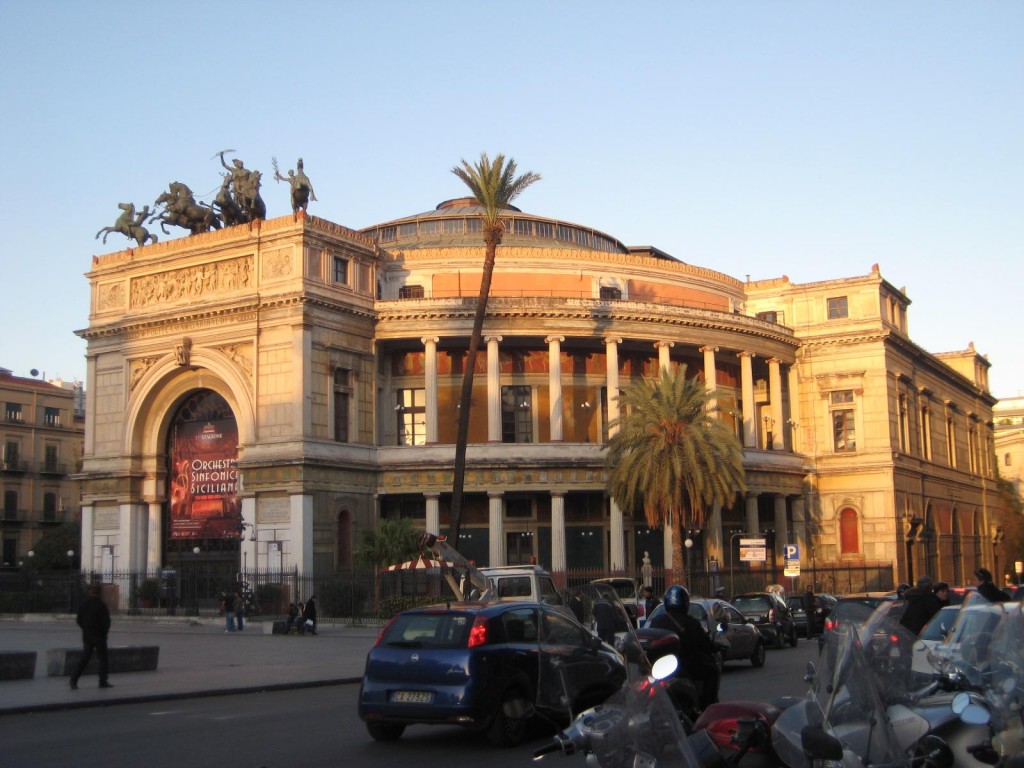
{"points": [[849, 535]]}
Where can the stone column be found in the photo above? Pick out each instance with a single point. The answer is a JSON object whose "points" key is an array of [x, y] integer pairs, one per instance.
{"points": [[713, 534], [664, 361], [753, 525], [249, 546], [302, 383], [86, 544], [710, 373], [611, 348], [433, 518], [792, 424], [558, 556], [800, 527], [496, 537], [493, 391], [555, 385], [781, 526], [132, 535], [154, 536], [301, 531], [618, 546], [430, 386], [749, 409], [775, 396]]}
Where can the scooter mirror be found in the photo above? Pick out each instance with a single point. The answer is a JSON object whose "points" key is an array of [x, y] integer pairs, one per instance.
{"points": [[664, 667], [975, 714], [960, 702]]}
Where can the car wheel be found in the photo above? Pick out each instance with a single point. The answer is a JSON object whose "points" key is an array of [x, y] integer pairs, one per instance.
{"points": [[385, 731], [508, 727], [757, 659]]}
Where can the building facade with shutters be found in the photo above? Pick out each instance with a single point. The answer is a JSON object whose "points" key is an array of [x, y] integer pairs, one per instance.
{"points": [[297, 380], [41, 433]]}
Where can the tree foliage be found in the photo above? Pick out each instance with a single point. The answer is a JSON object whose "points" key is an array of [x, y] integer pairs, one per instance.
{"points": [[50, 552], [494, 185], [393, 541], [670, 457]]}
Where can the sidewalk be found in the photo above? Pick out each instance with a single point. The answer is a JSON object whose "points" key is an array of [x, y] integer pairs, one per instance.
{"points": [[197, 658]]}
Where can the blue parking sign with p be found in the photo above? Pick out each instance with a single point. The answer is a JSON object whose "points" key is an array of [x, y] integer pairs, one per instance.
{"points": [[792, 551]]}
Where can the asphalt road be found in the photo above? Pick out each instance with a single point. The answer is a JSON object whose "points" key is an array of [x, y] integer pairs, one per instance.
{"points": [[304, 728]]}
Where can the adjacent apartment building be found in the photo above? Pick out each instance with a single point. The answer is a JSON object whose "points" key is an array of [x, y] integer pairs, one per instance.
{"points": [[296, 380], [42, 433]]}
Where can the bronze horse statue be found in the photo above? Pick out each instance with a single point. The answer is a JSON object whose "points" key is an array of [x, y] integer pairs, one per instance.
{"points": [[130, 225], [226, 206], [182, 210]]}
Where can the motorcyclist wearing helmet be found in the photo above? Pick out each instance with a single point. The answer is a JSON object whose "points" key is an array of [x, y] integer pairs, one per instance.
{"points": [[697, 650]]}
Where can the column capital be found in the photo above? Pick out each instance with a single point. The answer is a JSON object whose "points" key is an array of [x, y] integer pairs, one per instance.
{"points": [[707, 348], [432, 494], [430, 339], [663, 343], [492, 337], [746, 353], [612, 339], [774, 361], [495, 494], [550, 339]]}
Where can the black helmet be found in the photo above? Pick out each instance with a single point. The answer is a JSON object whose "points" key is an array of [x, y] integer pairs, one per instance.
{"points": [[677, 599]]}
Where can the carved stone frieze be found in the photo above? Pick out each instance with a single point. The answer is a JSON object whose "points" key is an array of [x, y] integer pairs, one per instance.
{"points": [[240, 355], [277, 264], [137, 369], [110, 297], [191, 283]]}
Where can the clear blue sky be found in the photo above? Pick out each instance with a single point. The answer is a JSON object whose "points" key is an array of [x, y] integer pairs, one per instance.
{"points": [[811, 139]]}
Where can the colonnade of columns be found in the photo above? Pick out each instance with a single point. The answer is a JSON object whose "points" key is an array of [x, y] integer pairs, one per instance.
{"points": [[555, 387]]}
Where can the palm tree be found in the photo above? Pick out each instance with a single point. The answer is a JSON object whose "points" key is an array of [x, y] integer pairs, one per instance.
{"points": [[494, 184], [671, 457], [394, 541]]}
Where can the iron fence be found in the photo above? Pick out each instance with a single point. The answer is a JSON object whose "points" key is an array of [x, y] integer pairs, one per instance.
{"points": [[357, 595]]}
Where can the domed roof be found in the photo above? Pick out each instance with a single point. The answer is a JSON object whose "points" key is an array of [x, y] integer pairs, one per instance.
{"points": [[457, 223]]}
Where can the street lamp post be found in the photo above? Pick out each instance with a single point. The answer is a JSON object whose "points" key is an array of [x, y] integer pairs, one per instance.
{"points": [[71, 581], [688, 543]]}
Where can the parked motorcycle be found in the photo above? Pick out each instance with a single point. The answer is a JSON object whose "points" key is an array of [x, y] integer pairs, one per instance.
{"points": [[864, 709]]}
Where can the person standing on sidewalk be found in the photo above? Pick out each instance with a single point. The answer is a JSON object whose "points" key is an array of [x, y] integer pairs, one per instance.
{"points": [[94, 619], [229, 611], [239, 611]]}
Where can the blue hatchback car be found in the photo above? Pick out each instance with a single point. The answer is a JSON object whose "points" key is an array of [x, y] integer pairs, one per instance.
{"points": [[486, 666]]}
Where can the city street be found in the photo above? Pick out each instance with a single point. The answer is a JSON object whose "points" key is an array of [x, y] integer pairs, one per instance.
{"points": [[307, 727]]}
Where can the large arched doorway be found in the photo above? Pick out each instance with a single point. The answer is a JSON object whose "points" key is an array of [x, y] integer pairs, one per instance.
{"points": [[202, 516]]}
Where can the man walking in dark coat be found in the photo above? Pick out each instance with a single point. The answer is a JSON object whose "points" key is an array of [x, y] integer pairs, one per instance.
{"points": [[94, 619], [987, 589], [922, 604]]}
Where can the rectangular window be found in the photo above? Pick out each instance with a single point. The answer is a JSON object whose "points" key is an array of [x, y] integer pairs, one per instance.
{"points": [[608, 293], [838, 308], [544, 229], [972, 448], [342, 404], [516, 415], [454, 226], [51, 417], [410, 292], [903, 427], [951, 441], [926, 433], [522, 227], [768, 317], [340, 274], [430, 228], [49, 507], [407, 230], [411, 410], [844, 436], [50, 459], [13, 412], [11, 455], [10, 505], [10, 551], [387, 234]]}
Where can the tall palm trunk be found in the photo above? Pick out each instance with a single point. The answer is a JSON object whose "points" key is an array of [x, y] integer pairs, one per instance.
{"points": [[492, 238]]}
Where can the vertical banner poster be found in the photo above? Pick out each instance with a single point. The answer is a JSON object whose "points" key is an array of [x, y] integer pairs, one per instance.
{"points": [[204, 481]]}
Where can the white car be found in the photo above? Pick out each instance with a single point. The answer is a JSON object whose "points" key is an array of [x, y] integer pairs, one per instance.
{"points": [[933, 634]]}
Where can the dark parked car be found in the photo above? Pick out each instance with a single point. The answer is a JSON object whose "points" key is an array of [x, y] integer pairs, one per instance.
{"points": [[855, 609], [745, 642], [768, 612], [479, 665], [822, 607]]}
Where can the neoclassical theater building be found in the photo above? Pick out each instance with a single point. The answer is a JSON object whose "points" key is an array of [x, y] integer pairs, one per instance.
{"points": [[294, 381]]}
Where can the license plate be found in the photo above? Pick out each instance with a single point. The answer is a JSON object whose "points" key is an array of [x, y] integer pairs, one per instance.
{"points": [[413, 697]]}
